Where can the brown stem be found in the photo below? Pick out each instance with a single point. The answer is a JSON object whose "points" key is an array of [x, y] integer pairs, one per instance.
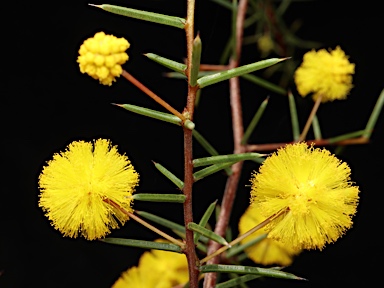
{"points": [[238, 132], [190, 250], [143, 88], [212, 67], [310, 119]]}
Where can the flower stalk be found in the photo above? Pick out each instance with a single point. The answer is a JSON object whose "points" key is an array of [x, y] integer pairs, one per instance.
{"points": [[146, 224], [151, 94]]}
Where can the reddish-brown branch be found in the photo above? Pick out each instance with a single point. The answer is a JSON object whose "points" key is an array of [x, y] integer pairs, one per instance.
{"points": [[190, 250], [238, 131]]}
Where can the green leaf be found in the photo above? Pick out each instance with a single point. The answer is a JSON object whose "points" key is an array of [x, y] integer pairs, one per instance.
{"points": [[207, 233], [208, 147], [196, 54], [236, 282], [240, 248], [204, 220], [143, 244], [171, 198], [166, 117], [144, 15], [225, 75], [374, 115], [225, 159], [346, 136], [255, 120], [173, 65], [169, 175], [265, 84], [294, 118], [248, 270], [210, 170], [161, 221]]}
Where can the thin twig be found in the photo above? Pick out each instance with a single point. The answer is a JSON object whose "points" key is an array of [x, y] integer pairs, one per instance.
{"points": [[144, 223], [310, 119], [238, 132], [143, 88]]}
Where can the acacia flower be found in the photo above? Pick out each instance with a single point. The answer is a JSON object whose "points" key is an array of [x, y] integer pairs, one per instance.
{"points": [[325, 74], [268, 251], [101, 57], [76, 185], [312, 190], [156, 269]]}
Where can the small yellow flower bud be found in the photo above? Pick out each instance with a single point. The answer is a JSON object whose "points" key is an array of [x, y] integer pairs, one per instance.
{"points": [[101, 57]]}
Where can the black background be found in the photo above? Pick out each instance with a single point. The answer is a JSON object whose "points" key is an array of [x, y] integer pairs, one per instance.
{"points": [[47, 103]]}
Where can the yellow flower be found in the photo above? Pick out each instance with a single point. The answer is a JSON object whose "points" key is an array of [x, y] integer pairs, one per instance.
{"points": [[75, 185], [313, 187], [156, 269], [267, 251], [325, 74], [101, 57]]}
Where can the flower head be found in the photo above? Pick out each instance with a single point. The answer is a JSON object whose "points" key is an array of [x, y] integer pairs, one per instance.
{"points": [[76, 185], [268, 251], [312, 188], [156, 269], [101, 57], [325, 74]]}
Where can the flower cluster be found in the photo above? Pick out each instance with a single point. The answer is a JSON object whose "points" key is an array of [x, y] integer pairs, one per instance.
{"points": [[101, 57], [310, 190], [325, 74], [268, 251], [156, 269], [77, 184]]}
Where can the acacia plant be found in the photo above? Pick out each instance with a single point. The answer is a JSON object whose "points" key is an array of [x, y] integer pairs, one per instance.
{"points": [[301, 197]]}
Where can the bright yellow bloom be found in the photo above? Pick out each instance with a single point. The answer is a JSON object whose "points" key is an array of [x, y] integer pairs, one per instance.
{"points": [[101, 57], [75, 185], [267, 251], [156, 269], [315, 189], [325, 73]]}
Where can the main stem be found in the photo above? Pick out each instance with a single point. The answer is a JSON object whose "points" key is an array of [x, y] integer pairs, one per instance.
{"points": [[190, 250]]}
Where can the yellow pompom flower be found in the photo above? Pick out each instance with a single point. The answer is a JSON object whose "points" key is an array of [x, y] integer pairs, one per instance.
{"points": [[156, 269], [326, 74], [76, 185], [312, 189], [101, 57], [268, 251]]}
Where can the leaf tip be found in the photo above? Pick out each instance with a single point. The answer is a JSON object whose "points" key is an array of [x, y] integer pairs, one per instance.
{"points": [[98, 6]]}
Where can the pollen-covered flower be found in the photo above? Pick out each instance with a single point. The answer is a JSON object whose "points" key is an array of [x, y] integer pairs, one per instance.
{"points": [[325, 73], [101, 57], [76, 185], [268, 251], [156, 269], [312, 189]]}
